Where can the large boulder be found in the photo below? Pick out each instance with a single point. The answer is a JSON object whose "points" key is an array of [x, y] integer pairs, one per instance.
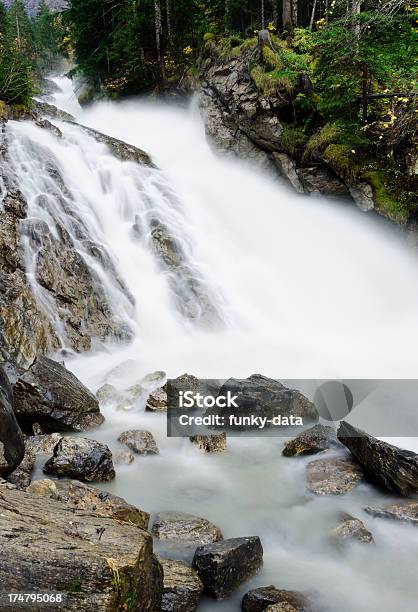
{"points": [[287, 168], [96, 562], [185, 527], [333, 476], [405, 511], [182, 587], [83, 459], [319, 180], [224, 566], [387, 465], [35, 446], [265, 397], [140, 442], [50, 395], [11, 438], [313, 440], [271, 598]]}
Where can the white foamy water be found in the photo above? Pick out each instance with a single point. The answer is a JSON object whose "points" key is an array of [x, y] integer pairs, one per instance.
{"points": [[304, 287]]}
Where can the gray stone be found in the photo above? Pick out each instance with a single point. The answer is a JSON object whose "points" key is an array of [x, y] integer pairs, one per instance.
{"points": [[82, 459], [350, 528], [140, 442], [11, 439], [272, 598], [389, 466], [224, 566], [157, 400], [333, 476], [362, 194], [314, 440], [405, 511], [320, 180], [182, 587], [287, 168], [185, 527], [210, 444]]}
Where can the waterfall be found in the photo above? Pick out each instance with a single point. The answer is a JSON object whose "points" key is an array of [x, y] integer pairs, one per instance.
{"points": [[263, 281]]}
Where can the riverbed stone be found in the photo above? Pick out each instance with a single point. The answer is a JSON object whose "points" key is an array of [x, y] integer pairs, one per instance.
{"points": [[393, 468], [157, 400], [50, 395], [210, 444], [82, 459], [182, 587], [404, 511], [351, 528], [98, 562], [272, 599], [314, 440], [140, 442], [333, 476], [185, 527], [124, 458], [224, 566], [35, 446]]}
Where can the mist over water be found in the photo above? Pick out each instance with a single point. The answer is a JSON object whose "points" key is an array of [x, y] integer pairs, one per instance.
{"points": [[305, 287]]}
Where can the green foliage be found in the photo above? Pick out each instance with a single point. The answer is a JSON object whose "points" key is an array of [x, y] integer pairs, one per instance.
{"points": [[392, 204], [343, 160], [46, 38], [293, 140]]}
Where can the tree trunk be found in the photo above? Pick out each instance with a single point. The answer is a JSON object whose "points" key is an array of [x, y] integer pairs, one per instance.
{"points": [[227, 10], [158, 32], [275, 13], [169, 28], [294, 14], [354, 9], [287, 15], [263, 20], [312, 16]]}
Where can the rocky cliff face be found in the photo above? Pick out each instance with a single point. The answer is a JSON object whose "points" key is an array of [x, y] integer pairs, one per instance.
{"points": [[242, 121], [32, 5], [67, 279]]}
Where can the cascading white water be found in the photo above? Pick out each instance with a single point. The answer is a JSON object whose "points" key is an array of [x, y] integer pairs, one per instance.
{"points": [[305, 288]]}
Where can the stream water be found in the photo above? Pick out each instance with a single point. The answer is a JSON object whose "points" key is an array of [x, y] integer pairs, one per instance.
{"points": [[304, 287]]}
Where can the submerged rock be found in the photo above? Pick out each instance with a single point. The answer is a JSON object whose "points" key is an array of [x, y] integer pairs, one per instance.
{"points": [[224, 566], [389, 466], [50, 395], [351, 528], [11, 439], [185, 527], [124, 458], [314, 440], [120, 149], [140, 442], [82, 459], [210, 444], [405, 511], [333, 476], [182, 587], [272, 599], [99, 563], [126, 399]]}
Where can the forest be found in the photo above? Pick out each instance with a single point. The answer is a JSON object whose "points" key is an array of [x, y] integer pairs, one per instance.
{"points": [[347, 69]]}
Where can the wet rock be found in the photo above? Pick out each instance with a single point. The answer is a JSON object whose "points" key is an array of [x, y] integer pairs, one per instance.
{"points": [[287, 168], [320, 180], [362, 194], [265, 397], [351, 528], [50, 395], [333, 476], [140, 442], [82, 459], [182, 587], [12, 448], [108, 394], [271, 598], [44, 108], [389, 466], [122, 150], [126, 399], [210, 444], [224, 566], [314, 440], [124, 458], [185, 527], [157, 400], [100, 563], [405, 511]]}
